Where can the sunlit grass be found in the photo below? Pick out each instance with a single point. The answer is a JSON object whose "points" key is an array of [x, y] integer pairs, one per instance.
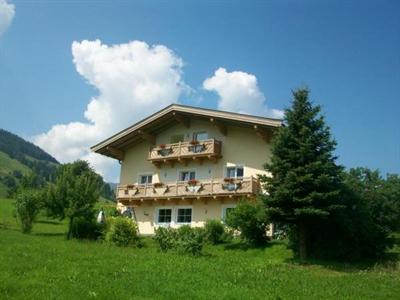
{"points": [[44, 265]]}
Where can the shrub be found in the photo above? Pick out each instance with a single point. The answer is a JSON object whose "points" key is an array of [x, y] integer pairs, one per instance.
{"points": [[184, 239], [123, 232], [86, 228], [27, 206], [166, 238], [192, 242], [214, 231], [250, 220], [350, 234]]}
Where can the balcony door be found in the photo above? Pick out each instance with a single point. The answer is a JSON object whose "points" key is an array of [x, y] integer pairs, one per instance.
{"points": [[187, 175]]}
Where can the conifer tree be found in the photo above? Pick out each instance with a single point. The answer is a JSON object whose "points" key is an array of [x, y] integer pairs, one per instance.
{"points": [[306, 182]]}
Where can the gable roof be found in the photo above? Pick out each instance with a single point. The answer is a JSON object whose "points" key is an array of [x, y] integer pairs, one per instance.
{"points": [[173, 114]]}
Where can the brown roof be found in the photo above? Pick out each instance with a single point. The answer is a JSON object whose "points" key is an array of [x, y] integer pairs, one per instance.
{"points": [[169, 116]]}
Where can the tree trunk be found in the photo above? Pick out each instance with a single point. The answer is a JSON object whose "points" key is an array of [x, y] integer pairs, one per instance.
{"points": [[302, 241], [69, 235]]}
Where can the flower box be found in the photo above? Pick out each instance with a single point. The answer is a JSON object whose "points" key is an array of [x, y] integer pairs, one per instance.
{"points": [[229, 179], [162, 146], [198, 148], [158, 184], [193, 182], [164, 151]]}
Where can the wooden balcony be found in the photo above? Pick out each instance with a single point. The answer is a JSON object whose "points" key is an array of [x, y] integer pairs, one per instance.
{"points": [[213, 188], [183, 152]]}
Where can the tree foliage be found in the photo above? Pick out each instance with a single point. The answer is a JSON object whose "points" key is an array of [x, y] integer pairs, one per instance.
{"points": [[74, 193], [250, 220], [306, 182], [380, 196], [27, 207]]}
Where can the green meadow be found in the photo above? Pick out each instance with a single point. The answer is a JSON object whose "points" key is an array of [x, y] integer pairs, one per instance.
{"points": [[44, 265]]}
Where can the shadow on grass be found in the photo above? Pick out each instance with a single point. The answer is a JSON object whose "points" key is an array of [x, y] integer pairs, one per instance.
{"points": [[388, 262], [49, 222], [49, 234], [239, 245]]}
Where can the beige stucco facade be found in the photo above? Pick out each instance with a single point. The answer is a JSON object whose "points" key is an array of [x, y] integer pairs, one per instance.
{"points": [[152, 161], [240, 147]]}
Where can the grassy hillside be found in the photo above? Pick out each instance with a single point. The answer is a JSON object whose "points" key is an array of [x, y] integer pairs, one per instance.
{"points": [[8, 165], [44, 265], [18, 158]]}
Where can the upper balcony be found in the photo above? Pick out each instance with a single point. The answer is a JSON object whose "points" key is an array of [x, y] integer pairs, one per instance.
{"points": [[192, 189], [183, 152]]}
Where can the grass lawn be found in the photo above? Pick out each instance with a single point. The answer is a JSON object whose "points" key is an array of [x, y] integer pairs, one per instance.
{"points": [[43, 265]]}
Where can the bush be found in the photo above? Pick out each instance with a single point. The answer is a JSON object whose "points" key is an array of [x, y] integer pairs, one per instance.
{"points": [[349, 234], [86, 228], [184, 239], [166, 238], [250, 220], [214, 231], [27, 206], [123, 232], [190, 240]]}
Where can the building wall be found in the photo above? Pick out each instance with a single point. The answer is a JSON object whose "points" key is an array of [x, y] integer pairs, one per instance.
{"points": [[242, 146], [146, 214]]}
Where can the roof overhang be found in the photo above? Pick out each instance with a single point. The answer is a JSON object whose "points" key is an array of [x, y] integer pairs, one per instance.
{"points": [[147, 128]]}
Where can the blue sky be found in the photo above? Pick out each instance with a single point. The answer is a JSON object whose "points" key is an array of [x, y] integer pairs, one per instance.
{"points": [[346, 52]]}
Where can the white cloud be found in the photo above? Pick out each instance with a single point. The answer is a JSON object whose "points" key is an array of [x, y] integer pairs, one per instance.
{"points": [[133, 81], [239, 92], [7, 12]]}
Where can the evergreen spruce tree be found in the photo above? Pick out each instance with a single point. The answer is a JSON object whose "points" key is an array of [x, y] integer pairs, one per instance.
{"points": [[306, 182]]}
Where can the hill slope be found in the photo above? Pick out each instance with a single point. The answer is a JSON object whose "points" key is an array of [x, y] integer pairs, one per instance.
{"points": [[19, 158]]}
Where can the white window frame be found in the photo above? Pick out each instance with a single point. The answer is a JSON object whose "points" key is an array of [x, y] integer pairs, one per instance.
{"points": [[145, 174], [178, 176], [176, 215], [234, 166], [156, 215]]}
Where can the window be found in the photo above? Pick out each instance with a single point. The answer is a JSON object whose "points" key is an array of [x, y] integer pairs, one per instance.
{"points": [[200, 136], [187, 175], [145, 179], [233, 172], [164, 215], [184, 215], [176, 138], [226, 211]]}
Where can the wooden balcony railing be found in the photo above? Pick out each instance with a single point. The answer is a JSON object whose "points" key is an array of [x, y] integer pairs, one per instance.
{"points": [[185, 151], [190, 189]]}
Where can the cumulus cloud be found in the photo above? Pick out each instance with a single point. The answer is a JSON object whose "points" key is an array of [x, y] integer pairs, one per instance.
{"points": [[133, 80], [239, 92], [7, 12]]}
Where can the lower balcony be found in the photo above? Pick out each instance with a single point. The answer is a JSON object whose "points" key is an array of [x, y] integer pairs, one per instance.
{"points": [[193, 189]]}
